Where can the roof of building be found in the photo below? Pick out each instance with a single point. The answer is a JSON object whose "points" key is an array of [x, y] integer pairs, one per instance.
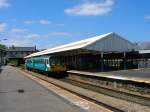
{"points": [[105, 43], [13, 48], [144, 45], [144, 51]]}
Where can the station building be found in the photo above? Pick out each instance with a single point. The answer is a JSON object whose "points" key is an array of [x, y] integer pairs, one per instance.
{"points": [[106, 52], [15, 54]]}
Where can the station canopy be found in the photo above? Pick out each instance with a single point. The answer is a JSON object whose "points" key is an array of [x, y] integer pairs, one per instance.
{"points": [[110, 42], [144, 48]]}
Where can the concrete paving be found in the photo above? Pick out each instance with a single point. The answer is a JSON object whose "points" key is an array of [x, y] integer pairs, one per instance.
{"points": [[139, 75], [143, 73], [34, 99]]}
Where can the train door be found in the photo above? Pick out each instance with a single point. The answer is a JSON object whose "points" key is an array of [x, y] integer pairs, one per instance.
{"points": [[47, 63]]}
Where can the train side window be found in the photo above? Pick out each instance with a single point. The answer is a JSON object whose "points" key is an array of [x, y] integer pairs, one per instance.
{"points": [[47, 61]]}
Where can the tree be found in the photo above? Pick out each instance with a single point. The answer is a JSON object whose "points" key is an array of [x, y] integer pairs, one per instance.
{"points": [[2, 46]]}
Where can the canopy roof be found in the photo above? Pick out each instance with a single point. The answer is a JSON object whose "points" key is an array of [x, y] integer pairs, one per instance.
{"points": [[103, 43], [144, 51], [144, 45]]}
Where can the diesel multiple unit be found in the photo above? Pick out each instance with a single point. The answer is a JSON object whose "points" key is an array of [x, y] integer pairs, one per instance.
{"points": [[44, 63]]}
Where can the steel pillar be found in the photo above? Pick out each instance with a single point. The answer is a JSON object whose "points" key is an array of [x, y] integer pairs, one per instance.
{"points": [[124, 61], [102, 62]]}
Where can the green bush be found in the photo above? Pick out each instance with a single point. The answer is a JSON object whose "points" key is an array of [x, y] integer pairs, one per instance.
{"points": [[13, 62]]}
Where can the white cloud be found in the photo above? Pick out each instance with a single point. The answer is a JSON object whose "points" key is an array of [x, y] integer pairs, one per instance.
{"points": [[42, 21], [4, 3], [18, 30], [19, 39], [91, 8], [147, 17], [31, 36], [18, 42], [29, 22], [59, 34], [3, 27], [45, 22], [41, 40], [60, 24]]}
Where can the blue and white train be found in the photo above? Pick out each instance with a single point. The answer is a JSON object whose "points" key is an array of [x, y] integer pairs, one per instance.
{"points": [[44, 63]]}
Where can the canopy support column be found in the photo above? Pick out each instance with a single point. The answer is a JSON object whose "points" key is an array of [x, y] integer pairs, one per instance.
{"points": [[124, 61], [102, 62]]}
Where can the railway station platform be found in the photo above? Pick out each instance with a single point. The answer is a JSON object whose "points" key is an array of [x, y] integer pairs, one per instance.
{"points": [[137, 75], [21, 94]]}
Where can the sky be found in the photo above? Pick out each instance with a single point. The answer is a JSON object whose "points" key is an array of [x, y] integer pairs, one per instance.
{"points": [[49, 23]]}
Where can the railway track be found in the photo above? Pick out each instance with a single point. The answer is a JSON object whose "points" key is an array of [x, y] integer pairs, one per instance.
{"points": [[98, 90], [107, 106], [111, 92]]}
